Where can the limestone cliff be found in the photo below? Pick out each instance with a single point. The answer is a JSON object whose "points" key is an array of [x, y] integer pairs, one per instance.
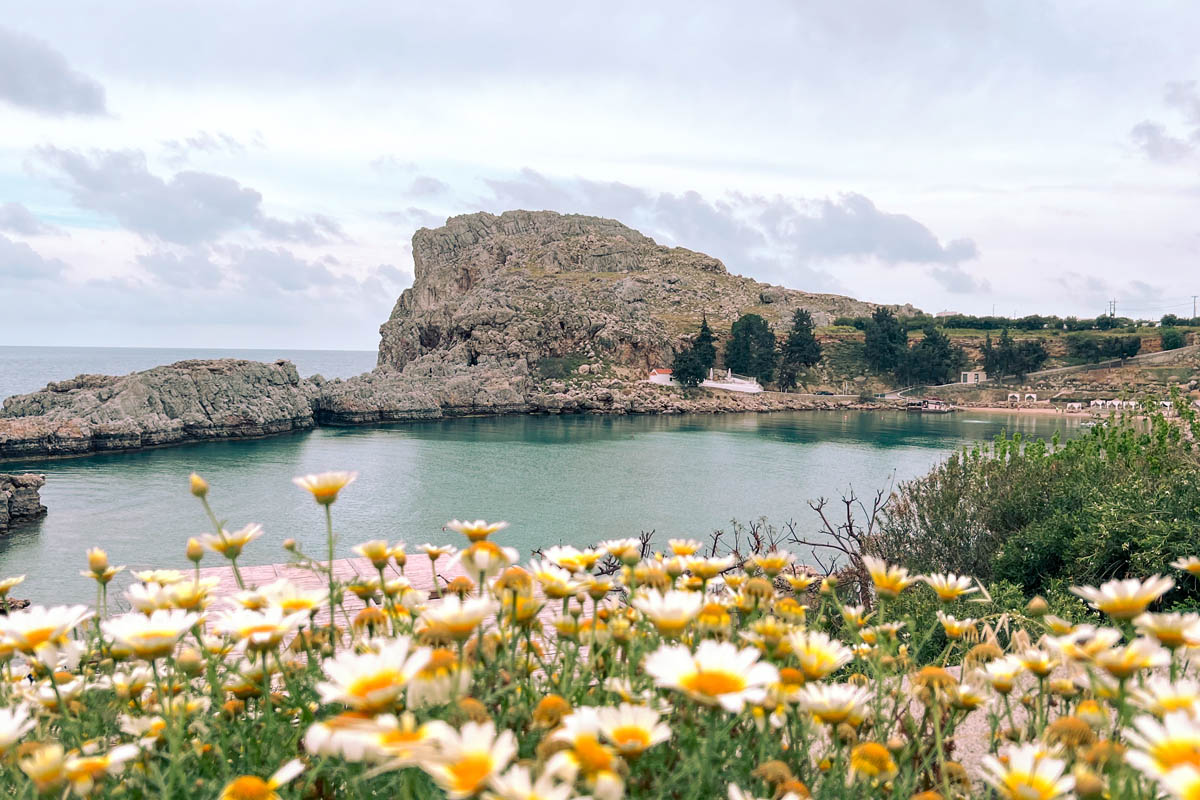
{"points": [[503, 292], [185, 401]]}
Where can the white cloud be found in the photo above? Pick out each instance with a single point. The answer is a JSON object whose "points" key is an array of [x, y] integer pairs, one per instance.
{"points": [[36, 77], [946, 154]]}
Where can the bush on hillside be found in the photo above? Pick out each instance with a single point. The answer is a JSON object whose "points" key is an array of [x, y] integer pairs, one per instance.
{"points": [[1171, 339]]}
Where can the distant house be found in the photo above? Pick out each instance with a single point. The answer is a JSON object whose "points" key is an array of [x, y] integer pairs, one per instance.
{"points": [[948, 314], [974, 376], [1031, 398], [661, 376], [1014, 397], [1074, 406]]}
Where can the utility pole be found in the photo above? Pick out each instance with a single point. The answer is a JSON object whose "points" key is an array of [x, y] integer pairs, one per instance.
{"points": [[1193, 306]]}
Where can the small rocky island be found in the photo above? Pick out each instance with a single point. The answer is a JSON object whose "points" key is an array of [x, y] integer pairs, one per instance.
{"points": [[19, 499], [525, 312]]}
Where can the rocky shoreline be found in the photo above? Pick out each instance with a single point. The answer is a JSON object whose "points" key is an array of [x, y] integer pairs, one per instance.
{"points": [[204, 400], [20, 500]]}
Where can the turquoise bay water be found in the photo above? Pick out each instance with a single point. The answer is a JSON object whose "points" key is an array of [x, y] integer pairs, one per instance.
{"points": [[26, 369], [572, 479]]}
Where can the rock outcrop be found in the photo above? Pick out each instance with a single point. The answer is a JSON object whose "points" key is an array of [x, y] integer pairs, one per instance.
{"points": [[181, 402], [19, 499], [527, 312], [505, 292]]}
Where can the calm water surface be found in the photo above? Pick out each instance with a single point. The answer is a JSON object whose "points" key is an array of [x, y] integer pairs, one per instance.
{"points": [[571, 479]]}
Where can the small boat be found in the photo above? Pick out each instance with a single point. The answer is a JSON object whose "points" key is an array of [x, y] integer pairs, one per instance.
{"points": [[931, 406]]}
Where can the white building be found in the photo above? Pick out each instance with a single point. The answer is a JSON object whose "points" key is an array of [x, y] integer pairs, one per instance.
{"points": [[724, 380]]}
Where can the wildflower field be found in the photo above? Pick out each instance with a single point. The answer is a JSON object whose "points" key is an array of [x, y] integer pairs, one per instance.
{"points": [[608, 672]]}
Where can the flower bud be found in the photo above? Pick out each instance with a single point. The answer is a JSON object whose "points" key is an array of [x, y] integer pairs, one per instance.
{"points": [[1087, 783], [195, 550], [190, 661], [1037, 607], [199, 486], [289, 545], [97, 560]]}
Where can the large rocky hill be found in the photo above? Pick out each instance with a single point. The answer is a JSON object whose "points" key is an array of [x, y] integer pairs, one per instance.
{"points": [[508, 291], [529, 311]]}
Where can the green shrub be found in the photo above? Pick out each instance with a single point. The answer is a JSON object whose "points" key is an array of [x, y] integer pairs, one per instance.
{"points": [[1171, 339], [555, 367], [1123, 500]]}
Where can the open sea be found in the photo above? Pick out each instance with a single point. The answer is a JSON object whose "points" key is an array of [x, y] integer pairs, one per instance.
{"points": [[557, 479]]}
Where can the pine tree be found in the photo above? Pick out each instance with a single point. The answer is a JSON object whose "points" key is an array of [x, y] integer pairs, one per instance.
{"points": [[751, 348], [886, 341], [706, 350], [801, 348], [687, 368]]}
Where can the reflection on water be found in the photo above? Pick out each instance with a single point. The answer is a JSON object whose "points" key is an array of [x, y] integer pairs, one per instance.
{"points": [[571, 479]]}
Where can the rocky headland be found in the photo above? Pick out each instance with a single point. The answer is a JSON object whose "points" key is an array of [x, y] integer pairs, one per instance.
{"points": [[19, 499], [186, 401], [525, 312], [516, 290]]}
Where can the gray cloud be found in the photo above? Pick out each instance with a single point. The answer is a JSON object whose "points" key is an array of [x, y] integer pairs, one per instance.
{"points": [[314, 229], [16, 218], [778, 238], [1158, 145], [426, 186], [852, 227], [191, 268], [38, 78], [1182, 95], [276, 268], [177, 152], [414, 217], [189, 208], [1153, 139], [954, 278], [1138, 299], [20, 262], [258, 269]]}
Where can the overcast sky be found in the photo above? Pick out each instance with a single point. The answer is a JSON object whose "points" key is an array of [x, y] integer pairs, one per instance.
{"points": [[224, 173]]}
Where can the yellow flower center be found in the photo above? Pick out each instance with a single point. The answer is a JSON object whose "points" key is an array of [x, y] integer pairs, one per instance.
{"points": [[296, 604], [631, 738], [831, 716], [384, 680], [713, 683], [248, 787], [469, 772], [1124, 607], [38, 636], [1030, 787], [670, 627], [1176, 753], [91, 768], [593, 756], [872, 758], [254, 629]]}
